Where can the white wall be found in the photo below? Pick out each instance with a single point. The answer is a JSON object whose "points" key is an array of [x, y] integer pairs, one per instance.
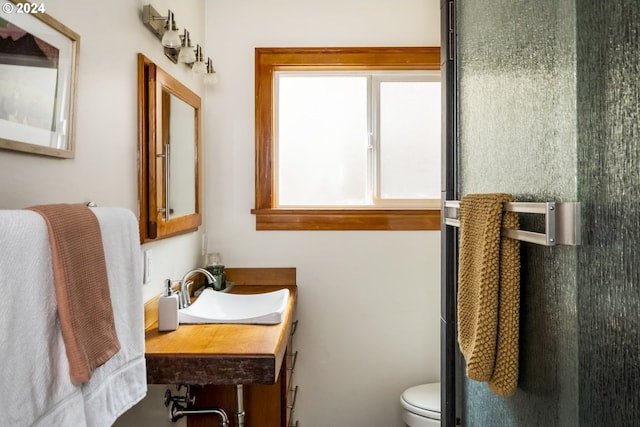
{"points": [[369, 301]]}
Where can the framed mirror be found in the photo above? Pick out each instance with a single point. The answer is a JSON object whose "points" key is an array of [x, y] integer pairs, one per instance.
{"points": [[169, 153]]}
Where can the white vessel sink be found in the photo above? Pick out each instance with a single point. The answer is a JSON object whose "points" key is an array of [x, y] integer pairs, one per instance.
{"points": [[219, 307]]}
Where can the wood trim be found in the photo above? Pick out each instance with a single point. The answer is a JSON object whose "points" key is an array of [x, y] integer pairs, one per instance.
{"points": [[144, 75], [152, 135], [212, 369], [336, 58], [269, 60], [285, 276], [369, 219]]}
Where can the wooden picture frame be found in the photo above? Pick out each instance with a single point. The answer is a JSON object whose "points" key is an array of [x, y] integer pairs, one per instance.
{"points": [[38, 64]]}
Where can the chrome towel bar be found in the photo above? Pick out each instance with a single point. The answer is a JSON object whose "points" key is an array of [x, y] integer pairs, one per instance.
{"points": [[562, 221]]}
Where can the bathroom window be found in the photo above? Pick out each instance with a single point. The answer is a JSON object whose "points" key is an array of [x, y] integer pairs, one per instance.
{"points": [[361, 138], [347, 139]]}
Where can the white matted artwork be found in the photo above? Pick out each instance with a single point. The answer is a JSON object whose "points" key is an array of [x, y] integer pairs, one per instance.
{"points": [[38, 61]]}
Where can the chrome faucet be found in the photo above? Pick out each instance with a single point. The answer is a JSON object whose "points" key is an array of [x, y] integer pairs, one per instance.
{"points": [[185, 298], [178, 411]]}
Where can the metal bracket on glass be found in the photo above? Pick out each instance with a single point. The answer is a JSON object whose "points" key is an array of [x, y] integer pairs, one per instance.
{"points": [[562, 221]]}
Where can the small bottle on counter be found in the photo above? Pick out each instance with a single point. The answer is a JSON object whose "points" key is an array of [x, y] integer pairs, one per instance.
{"points": [[215, 267], [168, 309]]}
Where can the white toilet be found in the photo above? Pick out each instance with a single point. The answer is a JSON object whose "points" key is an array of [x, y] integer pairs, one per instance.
{"points": [[421, 405]]}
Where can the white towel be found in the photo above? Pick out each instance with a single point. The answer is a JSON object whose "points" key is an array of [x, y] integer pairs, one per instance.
{"points": [[121, 382], [34, 373]]}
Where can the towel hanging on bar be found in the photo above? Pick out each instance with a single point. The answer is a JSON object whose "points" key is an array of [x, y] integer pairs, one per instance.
{"points": [[489, 292]]}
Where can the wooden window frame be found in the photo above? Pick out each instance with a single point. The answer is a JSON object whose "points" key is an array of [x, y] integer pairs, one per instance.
{"points": [[270, 60]]}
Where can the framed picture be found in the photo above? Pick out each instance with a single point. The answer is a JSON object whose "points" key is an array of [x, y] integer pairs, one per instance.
{"points": [[38, 61]]}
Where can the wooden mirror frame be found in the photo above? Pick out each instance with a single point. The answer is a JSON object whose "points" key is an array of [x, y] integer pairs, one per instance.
{"points": [[153, 126]]}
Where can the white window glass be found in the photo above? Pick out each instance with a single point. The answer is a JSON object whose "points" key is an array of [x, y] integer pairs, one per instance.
{"points": [[409, 140], [360, 139], [321, 140]]}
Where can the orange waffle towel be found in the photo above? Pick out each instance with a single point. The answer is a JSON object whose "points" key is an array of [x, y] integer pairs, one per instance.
{"points": [[489, 292], [82, 288]]}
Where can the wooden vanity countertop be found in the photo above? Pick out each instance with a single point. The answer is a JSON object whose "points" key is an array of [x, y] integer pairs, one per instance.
{"points": [[223, 353]]}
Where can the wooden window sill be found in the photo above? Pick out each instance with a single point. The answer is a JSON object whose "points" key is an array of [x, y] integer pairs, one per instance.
{"points": [[347, 219]]}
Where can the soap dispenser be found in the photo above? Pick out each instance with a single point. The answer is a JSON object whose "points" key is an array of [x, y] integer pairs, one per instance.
{"points": [[168, 309]]}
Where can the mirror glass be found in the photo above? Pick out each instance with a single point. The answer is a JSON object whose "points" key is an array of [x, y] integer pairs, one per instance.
{"points": [[182, 168], [169, 154]]}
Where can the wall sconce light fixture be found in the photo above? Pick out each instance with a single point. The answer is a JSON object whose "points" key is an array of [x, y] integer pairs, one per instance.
{"points": [[211, 77], [170, 38], [177, 47], [187, 55], [164, 27], [199, 67]]}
